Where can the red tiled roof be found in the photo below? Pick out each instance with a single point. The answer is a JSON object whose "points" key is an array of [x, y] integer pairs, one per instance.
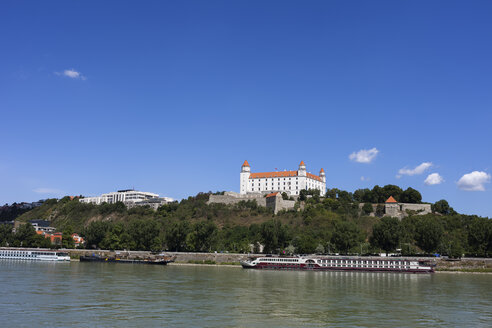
{"points": [[273, 174], [245, 163], [322, 170], [312, 176], [302, 164], [391, 200], [281, 174], [272, 194]]}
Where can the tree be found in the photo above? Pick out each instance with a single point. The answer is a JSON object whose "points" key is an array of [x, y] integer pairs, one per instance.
{"points": [[380, 210], [331, 204], [41, 241], [428, 232], [332, 193], [25, 235], [451, 245], [320, 249], [5, 235], [378, 194], [346, 235], [176, 236], [305, 244], [392, 190], [273, 236], [480, 236], [95, 233], [386, 234], [285, 196], [411, 195], [303, 194], [67, 241], [442, 207], [201, 237], [364, 196], [367, 208], [290, 249], [345, 196], [143, 232]]}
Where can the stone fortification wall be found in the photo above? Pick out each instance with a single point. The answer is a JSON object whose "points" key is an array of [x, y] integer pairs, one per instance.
{"points": [[286, 205], [230, 197], [215, 257], [276, 203], [399, 210], [421, 208]]}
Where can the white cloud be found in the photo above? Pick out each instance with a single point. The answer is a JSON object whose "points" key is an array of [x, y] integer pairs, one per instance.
{"points": [[51, 191], [417, 170], [71, 73], [433, 179], [364, 155], [474, 181], [363, 178]]}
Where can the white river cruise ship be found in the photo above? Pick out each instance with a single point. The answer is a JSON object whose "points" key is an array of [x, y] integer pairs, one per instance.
{"points": [[32, 254], [336, 263]]}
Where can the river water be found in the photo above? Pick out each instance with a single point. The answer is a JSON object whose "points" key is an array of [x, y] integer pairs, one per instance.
{"points": [[131, 295]]}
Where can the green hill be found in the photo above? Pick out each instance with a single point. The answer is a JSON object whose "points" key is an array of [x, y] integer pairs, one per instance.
{"points": [[326, 224]]}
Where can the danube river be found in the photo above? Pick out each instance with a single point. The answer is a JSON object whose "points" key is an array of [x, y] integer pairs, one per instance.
{"points": [[128, 295]]}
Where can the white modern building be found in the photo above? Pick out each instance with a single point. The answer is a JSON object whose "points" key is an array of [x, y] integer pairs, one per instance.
{"points": [[127, 196], [291, 182]]}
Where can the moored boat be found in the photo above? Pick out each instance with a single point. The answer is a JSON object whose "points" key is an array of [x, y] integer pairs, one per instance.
{"points": [[32, 254], [368, 264], [159, 260]]}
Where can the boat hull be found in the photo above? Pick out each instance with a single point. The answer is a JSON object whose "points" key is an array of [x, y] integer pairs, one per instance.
{"points": [[128, 261], [305, 268], [351, 264]]}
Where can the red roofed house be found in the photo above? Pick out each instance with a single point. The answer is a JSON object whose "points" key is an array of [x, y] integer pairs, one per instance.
{"points": [[291, 182], [77, 240]]}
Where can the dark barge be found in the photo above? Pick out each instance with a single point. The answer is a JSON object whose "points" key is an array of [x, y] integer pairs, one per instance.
{"points": [[156, 260]]}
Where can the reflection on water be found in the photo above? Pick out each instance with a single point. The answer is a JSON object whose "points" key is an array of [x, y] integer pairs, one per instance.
{"points": [[107, 295]]}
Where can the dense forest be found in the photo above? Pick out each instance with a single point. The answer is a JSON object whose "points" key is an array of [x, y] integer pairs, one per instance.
{"points": [[329, 224]]}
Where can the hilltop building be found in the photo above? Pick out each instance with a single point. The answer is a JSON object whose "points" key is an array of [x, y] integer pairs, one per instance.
{"points": [[291, 182], [130, 198], [266, 188]]}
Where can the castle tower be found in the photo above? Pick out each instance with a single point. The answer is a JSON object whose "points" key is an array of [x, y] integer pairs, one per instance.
{"points": [[302, 169], [322, 175], [245, 172], [391, 207]]}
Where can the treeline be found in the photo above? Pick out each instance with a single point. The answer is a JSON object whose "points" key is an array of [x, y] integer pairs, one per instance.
{"points": [[11, 212], [377, 195], [330, 224]]}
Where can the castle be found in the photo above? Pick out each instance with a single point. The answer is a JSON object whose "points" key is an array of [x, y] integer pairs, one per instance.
{"points": [[266, 187], [291, 182]]}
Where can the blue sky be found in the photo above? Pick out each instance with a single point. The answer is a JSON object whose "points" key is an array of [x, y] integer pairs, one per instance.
{"points": [[172, 97]]}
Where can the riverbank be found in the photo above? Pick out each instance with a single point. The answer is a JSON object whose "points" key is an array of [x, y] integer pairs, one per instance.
{"points": [[465, 265]]}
